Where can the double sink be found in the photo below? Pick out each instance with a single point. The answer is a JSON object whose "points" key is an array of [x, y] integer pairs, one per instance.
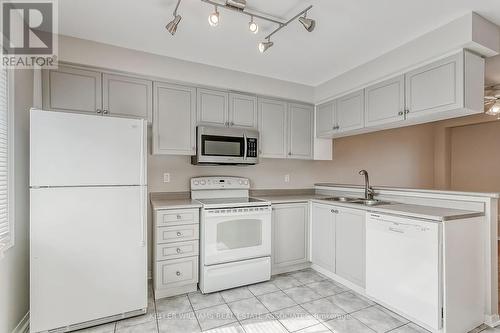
{"points": [[358, 201]]}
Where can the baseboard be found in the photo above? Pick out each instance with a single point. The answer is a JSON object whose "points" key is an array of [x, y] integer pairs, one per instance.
{"points": [[290, 268], [24, 324]]}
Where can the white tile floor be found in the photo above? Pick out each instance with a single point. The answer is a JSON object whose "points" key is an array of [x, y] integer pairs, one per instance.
{"points": [[303, 301]]}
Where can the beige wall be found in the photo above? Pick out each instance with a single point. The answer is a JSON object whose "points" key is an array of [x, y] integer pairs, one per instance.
{"points": [[400, 157], [475, 157], [14, 267]]}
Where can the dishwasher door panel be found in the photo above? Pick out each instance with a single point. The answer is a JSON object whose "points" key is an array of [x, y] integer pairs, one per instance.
{"points": [[403, 268]]}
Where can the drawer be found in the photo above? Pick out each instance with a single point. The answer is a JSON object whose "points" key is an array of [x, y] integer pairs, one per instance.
{"points": [[177, 233], [176, 272], [177, 250], [178, 216]]}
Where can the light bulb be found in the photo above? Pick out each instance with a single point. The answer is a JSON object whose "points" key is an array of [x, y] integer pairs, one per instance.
{"points": [[213, 19], [263, 46], [253, 27]]}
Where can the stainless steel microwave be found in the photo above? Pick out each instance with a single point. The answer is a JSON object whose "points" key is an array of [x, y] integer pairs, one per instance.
{"points": [[223, 145]]}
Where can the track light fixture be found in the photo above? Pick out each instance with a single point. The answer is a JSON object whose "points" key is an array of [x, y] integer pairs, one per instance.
{"points": [[253, 27], [213, 19], [264, 46], [308, 24], [172, 25], [239, 6]]}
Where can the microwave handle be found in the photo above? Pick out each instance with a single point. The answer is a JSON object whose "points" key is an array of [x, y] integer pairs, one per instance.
{"points": [[245, 151]]}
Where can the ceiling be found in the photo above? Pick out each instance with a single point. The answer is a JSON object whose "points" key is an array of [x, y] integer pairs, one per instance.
{"points": [[348, 32]]}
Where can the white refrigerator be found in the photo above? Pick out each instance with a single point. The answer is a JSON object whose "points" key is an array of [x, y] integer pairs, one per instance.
{"points": [[88, 195]]}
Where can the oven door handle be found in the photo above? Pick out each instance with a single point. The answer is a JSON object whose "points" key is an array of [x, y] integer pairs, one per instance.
{"points": [[245, 145]]}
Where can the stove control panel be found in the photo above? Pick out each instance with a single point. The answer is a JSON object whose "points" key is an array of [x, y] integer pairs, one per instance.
{"points": [[218, 183]]}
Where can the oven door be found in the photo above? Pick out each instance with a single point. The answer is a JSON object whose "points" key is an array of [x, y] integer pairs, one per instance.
{"points": [[235, 234]]}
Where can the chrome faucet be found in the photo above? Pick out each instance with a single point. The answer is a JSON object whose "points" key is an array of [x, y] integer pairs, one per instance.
{"points": [[368, 189]]}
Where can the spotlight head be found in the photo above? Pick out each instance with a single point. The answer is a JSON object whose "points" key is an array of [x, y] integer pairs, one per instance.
{"points": [[253, 27], [308, 24], [213, 19], [264, 46], [172, 25]]}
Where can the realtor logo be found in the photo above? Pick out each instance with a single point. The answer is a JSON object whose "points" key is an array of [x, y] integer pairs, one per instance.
{"points": [[29, 36]]}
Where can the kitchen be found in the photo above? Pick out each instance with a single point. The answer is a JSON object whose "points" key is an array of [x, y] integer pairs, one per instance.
{"points": [[261, 199]]}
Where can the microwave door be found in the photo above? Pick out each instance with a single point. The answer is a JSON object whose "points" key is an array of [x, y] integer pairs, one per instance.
{"points": [[222, 149]]}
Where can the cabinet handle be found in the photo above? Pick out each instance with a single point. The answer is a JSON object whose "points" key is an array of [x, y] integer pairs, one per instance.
{"points": [[178, 273], [179, 216], [400, 113], [336, 127], [98, 111], [179, 250], [105, 111], [334, 211], [232, 124], [407, 111], [179, 234], [290, 154]]}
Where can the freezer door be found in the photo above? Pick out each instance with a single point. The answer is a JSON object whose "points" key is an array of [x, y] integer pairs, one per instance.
{"points": [[88, 255], [68, 149]]}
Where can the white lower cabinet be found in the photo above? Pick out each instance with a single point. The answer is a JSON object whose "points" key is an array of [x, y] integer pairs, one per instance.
{"points": [[175, 254], [323, 236], [290, 234], [338, 241], [350, 237]]}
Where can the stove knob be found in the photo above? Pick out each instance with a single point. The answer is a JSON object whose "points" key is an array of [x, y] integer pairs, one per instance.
{"points": [[246, 182], [202, 182], [196, 182], [240, 182]]}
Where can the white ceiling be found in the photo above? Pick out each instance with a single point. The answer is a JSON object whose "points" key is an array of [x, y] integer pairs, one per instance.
{"points": [[348, 33]]}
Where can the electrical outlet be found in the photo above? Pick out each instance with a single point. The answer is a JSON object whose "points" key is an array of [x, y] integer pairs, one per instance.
{"points": [[287, 178], [166, 178]]}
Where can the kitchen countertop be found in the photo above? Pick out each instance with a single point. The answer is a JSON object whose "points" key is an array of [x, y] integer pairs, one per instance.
{"points": [[409, 210], [159, 203], [403, 189]]}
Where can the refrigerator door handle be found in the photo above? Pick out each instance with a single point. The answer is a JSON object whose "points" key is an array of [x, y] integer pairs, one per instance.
{"points": [[143, 211]]}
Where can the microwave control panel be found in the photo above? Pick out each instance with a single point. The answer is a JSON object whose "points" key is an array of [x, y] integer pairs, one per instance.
{"points": [[251, 147]]}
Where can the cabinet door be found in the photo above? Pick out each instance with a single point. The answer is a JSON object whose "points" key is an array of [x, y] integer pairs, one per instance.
{"points": [[174, 125], [325, 119], [350, 112], [290, 234], [127, 96], [272, 128], [350, 245], [385, 102], [243, 110], [323, 236], [72, 89], [212, 107], [300, 131], [435, 88]]}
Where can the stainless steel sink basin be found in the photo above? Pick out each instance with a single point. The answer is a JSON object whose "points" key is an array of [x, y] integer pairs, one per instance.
{"points": [[359, 201], [341, 199]]}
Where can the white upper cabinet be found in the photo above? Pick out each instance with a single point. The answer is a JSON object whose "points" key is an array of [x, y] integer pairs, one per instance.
{"points": [[273, 128], [350, 112], [243, 110], [290, 225], [350, 236], [325, 119], [447, 88], [213, 106], [72, 89], [436, 87], [174, 121], [323, 236], [385, 102], [127, 96], [300, 131]]}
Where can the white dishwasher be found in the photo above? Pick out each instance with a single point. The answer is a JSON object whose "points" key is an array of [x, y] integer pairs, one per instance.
{"points": [[403, 266]]}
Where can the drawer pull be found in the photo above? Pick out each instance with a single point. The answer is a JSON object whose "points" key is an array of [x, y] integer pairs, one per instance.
{"points": [[179, 234], [178, 273], [179, 216], [179, 250]]}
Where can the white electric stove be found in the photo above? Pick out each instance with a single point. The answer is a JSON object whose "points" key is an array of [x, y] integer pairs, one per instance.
{"points": [[235, 233]]}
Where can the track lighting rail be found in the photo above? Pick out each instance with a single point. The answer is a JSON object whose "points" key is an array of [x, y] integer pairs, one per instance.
{"points": [[242, 11], [288, 22]]}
